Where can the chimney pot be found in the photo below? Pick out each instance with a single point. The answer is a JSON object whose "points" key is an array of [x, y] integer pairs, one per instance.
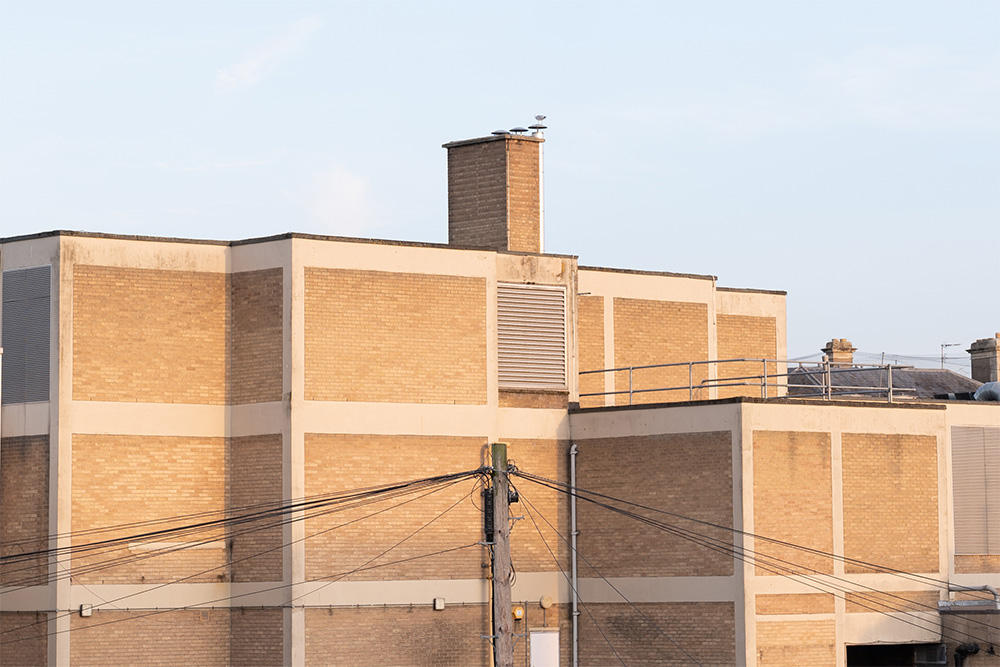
{"points": [[840, 352], [986, 359]]}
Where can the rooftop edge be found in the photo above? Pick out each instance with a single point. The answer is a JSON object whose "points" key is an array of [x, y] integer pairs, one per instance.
{"points": [[268, 239]]}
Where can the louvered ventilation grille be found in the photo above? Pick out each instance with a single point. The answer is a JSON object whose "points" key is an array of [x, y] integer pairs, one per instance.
{"points": [[531, 336], [25, 335], [975, 463]]}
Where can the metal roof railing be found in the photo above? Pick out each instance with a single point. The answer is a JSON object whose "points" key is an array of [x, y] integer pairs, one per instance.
{"points": [[805, 380]]}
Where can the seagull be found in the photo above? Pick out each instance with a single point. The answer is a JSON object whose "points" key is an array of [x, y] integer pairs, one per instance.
{"points": [[539, 118]]}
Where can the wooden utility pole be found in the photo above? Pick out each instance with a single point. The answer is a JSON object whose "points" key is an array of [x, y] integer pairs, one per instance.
{"points": [[503, 633]]}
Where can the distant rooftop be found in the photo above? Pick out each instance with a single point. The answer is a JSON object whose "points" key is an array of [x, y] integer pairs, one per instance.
{"points": [[924, 383]]}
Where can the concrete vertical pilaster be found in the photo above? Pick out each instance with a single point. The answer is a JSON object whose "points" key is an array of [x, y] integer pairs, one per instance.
{"points": [[294, 459]]}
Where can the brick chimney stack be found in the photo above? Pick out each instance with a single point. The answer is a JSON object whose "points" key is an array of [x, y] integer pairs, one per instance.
{"points": [[840, 351], [494, 193], [986, 359]]}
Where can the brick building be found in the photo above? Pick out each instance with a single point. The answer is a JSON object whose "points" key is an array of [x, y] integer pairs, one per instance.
{"points": [[151, 379]]}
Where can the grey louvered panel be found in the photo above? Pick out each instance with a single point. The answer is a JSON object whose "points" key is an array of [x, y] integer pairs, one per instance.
{"points": [[36, 358], [991, 454], [15, 324], [531, 336], [25, 336], [13, 285], [968, 467], [36, 282]]}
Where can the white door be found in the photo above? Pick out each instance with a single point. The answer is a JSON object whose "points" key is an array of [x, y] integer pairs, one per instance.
{"points": [[544, 645]]}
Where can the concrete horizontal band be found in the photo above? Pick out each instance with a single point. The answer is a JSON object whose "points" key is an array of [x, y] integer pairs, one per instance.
{"points": [[658, 589], [169, 419], [529, 586]]}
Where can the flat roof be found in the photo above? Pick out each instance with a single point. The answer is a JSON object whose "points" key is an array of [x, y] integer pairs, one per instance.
{"points": [[269, 239], [669, 274], [752, 290], [909, 405]]}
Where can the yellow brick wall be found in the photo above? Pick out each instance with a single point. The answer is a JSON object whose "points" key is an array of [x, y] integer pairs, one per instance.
{"points": [[415, 636], [256, 637], [477, 195], [793, 500], [890, 501], [398, 636], [688, 474], [549, 459], [185, 637], [660, 332], [871, 602], [394, 337], [256, 314], [549, 400], [705, 630], [742, 337], [255, 476], [24, 638], [149, 336], [119, 479], [808, 603], [590, 328], [24, 507], [522, 196], [976, 564], [796, 644], [335, 462]]}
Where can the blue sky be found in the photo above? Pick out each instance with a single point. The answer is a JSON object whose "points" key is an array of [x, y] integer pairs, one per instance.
{"points": [[847, 152]]}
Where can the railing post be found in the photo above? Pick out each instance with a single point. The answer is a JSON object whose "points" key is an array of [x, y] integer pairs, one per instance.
{"points": [[827, 381], [889, 379], [764, 387], [630, 385], [691, 381]]}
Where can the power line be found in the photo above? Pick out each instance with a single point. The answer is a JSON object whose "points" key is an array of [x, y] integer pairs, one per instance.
{"points": [[368, 565], [329, 503], [277, 511], [375, 558], [613, 587], [258, 554], [738, 553], [785, 568], [871, 566], [779, 566], [575, 591], [203, 604]]}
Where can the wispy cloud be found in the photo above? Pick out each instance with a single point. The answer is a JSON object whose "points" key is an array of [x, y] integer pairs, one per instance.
{"points": [[182, 212], [912, 89], [264, 59], [336, 201], [209, 166], [918, 88]]}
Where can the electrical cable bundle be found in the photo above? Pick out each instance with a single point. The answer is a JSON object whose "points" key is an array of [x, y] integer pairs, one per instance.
{"points": [[270, 516], [866, 597]]}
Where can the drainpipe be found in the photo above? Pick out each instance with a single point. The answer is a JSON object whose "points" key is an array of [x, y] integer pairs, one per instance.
{"points": [[956, 588], [963, 651], [573, 450]]}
